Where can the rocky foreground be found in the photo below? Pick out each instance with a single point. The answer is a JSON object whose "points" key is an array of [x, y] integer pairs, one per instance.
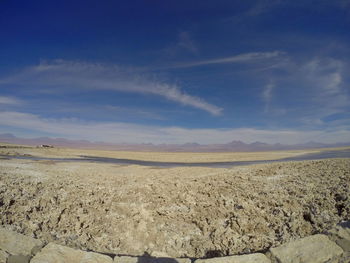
{"points": [[334, 247], [177, 212]]}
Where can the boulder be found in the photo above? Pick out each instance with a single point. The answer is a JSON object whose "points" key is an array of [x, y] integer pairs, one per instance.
{"points": [[312, 249], [53, 253], [18, 259], [17, 244], [125, 259], [251, 258]]}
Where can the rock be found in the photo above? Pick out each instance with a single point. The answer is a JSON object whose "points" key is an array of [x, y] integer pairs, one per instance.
{"points": [[126, 259], [18, 259], [17, 244], [53, 253], [251, 258], [341, 235], [312, 249], [344, 244], [3, 256], [158, 254]]}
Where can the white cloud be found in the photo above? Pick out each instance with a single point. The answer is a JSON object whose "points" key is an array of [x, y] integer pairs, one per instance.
{"points": [[325, 72], [267, 95], [61, 75], [9, 101], [130, 133], [309, 91], [241, 58], [325, 79]]}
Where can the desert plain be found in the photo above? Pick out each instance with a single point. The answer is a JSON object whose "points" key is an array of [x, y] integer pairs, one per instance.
{"points": [[177, 212]]}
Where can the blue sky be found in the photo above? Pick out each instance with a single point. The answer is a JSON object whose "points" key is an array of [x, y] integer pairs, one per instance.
{"points": [[176, 71]]}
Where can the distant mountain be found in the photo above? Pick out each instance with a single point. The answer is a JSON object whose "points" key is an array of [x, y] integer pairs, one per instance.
{"points": [[234, 146]]}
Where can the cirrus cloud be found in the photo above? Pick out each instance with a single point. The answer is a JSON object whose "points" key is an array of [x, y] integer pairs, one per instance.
{"points": [[61, 75], [249, 57]]}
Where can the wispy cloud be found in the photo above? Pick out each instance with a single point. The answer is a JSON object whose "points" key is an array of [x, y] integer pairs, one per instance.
{"points": [[309, 89], [69, 75], [118, 132], [262, 6], [9, 101], [267, 95], [328, 92], [241, 58], [326, 75]]}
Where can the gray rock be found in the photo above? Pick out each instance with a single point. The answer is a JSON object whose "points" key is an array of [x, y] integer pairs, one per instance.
{"points": [[126, 259], [312, 249], [251, 258], [53, 253], [17, 244]]}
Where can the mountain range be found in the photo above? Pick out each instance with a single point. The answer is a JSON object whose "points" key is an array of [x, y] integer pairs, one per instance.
{"points": [[234, 146]]}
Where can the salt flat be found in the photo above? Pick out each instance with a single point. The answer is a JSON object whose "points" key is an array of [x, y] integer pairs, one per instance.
{"points": [[153, 156], [179, 212]]}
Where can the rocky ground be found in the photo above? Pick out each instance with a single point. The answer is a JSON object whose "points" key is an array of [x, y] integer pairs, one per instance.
{"points": [[177, 212], [334, 247]]}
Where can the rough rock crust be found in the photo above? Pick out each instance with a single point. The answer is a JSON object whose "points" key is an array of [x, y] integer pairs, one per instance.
{"points": [[179, 212]]}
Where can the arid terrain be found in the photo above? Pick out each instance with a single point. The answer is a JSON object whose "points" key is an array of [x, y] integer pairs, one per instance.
{"points": [[177, 212]]}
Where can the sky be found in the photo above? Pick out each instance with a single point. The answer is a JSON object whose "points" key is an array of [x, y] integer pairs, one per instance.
{"points": [[176, 71]]}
